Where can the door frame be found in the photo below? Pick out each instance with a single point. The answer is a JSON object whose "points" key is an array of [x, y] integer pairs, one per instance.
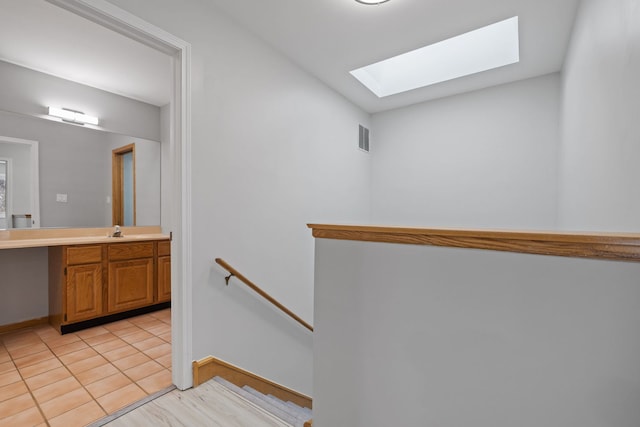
{"points": [[123, 22], [117, 182]]}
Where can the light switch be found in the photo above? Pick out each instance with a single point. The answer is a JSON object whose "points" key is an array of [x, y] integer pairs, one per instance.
{"points": [[62, 198]]}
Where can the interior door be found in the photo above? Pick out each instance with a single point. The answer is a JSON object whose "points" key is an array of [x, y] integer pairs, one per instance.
{"points": [[124, 185]]}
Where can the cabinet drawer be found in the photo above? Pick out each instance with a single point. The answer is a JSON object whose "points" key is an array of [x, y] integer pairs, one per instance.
{"points": [[164, 248], [84, 254], [124, 251]]}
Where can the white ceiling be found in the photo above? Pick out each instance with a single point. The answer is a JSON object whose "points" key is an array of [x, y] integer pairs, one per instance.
{"points": [[328, 38], [38, 35]]}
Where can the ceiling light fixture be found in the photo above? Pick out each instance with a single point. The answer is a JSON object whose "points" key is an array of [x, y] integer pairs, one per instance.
{"points": [[73, 116], [372, 1], [489, 47]]}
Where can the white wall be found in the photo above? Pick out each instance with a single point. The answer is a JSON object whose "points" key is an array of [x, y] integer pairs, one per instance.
{"points": [[273, 149], [482, 159], [424, 336], [29, 92], [23, 285], [601, 130]]}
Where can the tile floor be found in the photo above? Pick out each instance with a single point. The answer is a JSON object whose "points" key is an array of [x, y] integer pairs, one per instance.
{"points": [[48, 379]]}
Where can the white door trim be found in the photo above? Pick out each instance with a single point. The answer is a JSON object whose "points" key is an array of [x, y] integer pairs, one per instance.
{"points": [[110, 16]]}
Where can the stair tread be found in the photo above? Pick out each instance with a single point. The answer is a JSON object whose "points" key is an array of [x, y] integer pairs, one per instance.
{"points": [[261, 402], [282, 405]]}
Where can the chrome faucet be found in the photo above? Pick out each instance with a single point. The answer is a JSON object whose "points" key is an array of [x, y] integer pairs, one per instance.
{"points": [[117, 232]]}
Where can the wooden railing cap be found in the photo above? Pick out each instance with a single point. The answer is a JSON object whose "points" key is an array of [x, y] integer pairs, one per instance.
{"points": [[597, 245]]}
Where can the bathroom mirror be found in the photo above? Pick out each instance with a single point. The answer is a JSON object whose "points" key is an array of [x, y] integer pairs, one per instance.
{"points": [[62, 175]]}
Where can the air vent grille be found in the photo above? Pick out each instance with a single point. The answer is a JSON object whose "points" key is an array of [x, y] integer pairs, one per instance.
{"points": [[363, 138]]}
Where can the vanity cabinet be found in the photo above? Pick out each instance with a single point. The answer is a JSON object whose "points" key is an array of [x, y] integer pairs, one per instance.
{"points": [[131, 282], [84, 283], [101, 281], [164, 271]]}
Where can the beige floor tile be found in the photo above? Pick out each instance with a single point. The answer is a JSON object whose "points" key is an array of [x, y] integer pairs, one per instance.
{"points": [[148, 343], [120, 353], [70, 348], [137, 337], [159, 351], [150, 324], [16, 404], [109, 384], [131, 361], [39, 368], [12, 390], [161, 314], [78, 355], [86, 364], [92, 332], [156, 382], [62, 340], [7, 367], [164, 360], [65, 402], [70, 377], [110, 345], [79, 417], [45, 330], [10, 377], [51, 391], [118, 399], [119, 325], [144, 370], [99, 339], [47, 378], [27, 350], [19, 339], [166, 337], [28, 417], [142, 319], [34, 358], [94, 374], [160, 329], [126, 331]]}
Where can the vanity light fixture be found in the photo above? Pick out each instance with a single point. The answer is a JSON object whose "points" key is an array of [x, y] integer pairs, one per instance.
{"points": [[372, 1], [72, 116]]}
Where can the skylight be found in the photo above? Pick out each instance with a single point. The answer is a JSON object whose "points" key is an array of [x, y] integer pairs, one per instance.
{"points": [[479, 50]]}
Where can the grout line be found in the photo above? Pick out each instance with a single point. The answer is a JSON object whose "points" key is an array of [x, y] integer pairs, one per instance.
{"points": [[146, 399], [46, 421]]}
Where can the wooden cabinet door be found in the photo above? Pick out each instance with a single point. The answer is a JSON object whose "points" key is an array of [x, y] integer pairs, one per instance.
{"points": [[164, 278], [130, 284], [84, 292]]}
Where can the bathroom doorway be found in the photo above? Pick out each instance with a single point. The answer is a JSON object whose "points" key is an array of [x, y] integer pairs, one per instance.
{"points": [[123, 178]]}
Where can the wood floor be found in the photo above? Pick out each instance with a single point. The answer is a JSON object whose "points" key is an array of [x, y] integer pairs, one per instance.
{"points": [[209, 404]]}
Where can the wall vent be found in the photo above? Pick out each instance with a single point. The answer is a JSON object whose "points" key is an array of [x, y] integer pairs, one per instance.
{"points": [[363, 138]]}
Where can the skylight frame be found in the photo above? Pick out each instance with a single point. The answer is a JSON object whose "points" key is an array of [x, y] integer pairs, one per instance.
{"points": [[493, 46]]}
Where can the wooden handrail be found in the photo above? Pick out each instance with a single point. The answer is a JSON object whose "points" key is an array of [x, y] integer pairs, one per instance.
{"points": [[608, 246], [256, 288]]}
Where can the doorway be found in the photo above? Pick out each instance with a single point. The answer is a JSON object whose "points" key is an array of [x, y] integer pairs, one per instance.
{"points": [[123, 178], [123, 22]]}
